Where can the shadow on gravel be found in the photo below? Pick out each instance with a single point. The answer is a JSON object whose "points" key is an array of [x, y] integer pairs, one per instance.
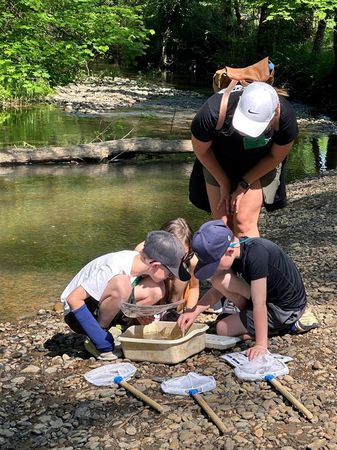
{"points": [[309, 221], [70, 344]]}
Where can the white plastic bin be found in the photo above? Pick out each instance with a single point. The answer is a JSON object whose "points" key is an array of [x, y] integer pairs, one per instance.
{"points": [[162, 342]]}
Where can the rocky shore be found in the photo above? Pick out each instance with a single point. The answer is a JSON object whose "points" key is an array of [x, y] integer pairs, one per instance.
{"points": [[46, 402], [108, 95], [105, 95], [123, 97]]}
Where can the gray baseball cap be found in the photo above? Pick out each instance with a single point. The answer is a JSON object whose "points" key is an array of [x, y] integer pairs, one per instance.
{"points": [[165, 248]]}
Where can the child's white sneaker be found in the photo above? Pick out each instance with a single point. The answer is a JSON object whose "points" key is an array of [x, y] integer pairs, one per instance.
{"points": [[223, 306], [306, 322], [106, 356]]}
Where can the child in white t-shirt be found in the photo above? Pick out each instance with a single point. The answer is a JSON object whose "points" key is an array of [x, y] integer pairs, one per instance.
{"points": [[93, 297]]}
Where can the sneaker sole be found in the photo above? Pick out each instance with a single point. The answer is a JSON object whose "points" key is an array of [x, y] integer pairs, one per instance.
{"points": [[90, 348], [308, 321]]}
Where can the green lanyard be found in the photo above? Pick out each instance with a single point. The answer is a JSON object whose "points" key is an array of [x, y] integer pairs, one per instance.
{"points": [[250, 142]]}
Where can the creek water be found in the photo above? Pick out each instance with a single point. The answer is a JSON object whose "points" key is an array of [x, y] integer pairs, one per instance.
{"points": [[56, 218]]}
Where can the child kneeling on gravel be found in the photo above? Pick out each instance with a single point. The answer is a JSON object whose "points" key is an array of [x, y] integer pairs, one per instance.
{"points": [[93, 298], [176, 289], [257, 276]]}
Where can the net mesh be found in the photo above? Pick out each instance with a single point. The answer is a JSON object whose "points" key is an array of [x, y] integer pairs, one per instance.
{"points": [[105, 375], [190, 382]]}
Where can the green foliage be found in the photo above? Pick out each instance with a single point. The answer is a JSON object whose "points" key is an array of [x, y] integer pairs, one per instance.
{"points": [[48, 42], [51, 42], [300, 72], [288, 9]]}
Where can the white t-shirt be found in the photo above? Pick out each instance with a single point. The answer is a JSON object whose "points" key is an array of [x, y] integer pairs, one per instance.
{"points": [[96, 274]]}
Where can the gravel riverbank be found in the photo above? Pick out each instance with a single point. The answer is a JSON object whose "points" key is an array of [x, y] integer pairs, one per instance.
{"points": [[46, 402], [105, 95]]}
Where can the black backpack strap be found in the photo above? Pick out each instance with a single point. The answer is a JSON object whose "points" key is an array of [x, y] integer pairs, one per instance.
{"points": [[224, 103]]}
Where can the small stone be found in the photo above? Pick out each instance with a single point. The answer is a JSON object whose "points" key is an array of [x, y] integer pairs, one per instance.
{"points": [[18, 380], [316, 445], [326, 350], [131, 431], [31, 369], [51, 370], [317, 365], [258, 432], [56, 361], [118, 433], [58, 307], [186, 436], [247, 415]]}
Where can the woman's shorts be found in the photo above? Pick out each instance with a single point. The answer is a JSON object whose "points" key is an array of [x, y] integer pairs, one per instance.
{"points": [[278, 318], [269, 182]]}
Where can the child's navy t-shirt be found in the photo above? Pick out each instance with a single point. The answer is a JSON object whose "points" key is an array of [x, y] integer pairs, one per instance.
{"points": [[261, 258]]}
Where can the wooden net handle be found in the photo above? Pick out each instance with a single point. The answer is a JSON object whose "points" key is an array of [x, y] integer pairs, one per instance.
{"points": [[209, 411], [137, 393], [288, 395]]}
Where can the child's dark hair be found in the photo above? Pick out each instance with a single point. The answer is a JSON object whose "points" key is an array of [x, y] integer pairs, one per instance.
{"points": [[181, 229]]}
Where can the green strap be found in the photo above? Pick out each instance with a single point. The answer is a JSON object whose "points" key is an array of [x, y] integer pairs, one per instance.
{"points": [[136, 281]]}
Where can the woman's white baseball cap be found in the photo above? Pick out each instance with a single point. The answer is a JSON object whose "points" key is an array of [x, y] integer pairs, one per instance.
{"points": [[255, 109]]}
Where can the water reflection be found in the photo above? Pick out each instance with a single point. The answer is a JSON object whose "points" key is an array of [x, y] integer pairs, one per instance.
{"points": [[55, 219], [331, 153], [314, 151], [46, 126]]}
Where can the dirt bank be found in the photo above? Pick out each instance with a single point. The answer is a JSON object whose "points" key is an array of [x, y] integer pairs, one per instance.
{"points": [[46, 403]]}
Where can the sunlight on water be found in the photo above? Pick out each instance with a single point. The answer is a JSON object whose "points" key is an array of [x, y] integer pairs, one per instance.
{"points": [[55, 219]]}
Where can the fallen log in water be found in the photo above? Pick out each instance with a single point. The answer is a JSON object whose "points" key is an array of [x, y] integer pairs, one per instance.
{"points": [[94, 152]]}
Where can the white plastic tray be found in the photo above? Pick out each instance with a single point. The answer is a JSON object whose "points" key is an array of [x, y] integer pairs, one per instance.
{"points": [[221, 342], [162, 342]]}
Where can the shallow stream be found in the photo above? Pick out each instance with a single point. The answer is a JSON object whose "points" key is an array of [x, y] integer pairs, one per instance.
{"points": [[56, 218]]}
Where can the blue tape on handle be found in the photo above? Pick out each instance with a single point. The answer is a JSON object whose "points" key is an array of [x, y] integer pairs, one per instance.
{"points": [[193, 391], [269, 377], [118, 379]]}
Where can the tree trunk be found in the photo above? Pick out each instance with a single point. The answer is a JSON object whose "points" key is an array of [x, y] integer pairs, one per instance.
{"points": [[165, 60], [228, 30], [172, 19], [265, 34], [238, 16], [335, 40], [319, 37], [96, 152]]}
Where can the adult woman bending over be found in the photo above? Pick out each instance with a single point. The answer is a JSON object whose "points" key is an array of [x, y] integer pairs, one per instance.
{"points": [[242, 161]]}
